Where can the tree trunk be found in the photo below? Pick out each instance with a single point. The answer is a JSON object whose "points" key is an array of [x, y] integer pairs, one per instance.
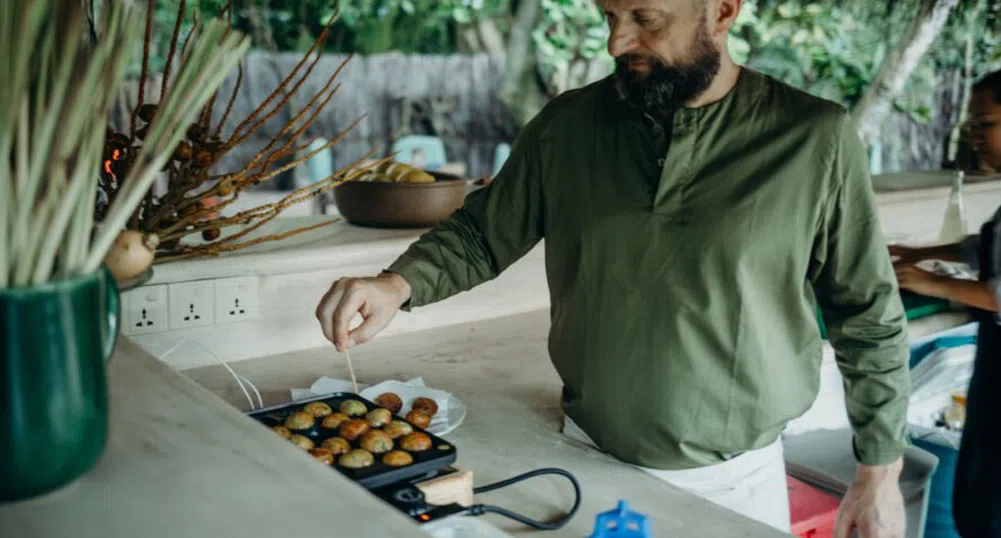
{"points": [[967, 79], [520, 89], [871, 111]]}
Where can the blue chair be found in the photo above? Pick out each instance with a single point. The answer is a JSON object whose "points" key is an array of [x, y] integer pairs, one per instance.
{"points": [[501, 154], [422, 151], [321, 165], [318, 168]]}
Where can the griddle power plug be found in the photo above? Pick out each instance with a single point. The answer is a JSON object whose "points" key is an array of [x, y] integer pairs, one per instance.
{"points": [[438, 512]]}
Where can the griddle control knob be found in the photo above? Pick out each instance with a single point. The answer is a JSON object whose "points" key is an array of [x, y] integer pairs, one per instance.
{"points": [[410, 499]]}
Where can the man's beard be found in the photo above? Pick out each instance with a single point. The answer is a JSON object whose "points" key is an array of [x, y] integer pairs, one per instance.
{"points": [[665, 87]]}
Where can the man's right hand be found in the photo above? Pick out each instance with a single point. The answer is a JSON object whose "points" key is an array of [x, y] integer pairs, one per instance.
{"points": [[377, 299]]}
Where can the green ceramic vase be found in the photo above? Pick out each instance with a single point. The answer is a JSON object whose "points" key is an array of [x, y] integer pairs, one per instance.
{"points": [[54, 342]]}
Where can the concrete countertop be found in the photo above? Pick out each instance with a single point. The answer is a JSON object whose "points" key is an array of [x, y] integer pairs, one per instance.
{"points": [[501, 371], [182, 463]]}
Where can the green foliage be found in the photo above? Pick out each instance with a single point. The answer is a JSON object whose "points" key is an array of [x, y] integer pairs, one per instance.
{"points": [[835, 49], [571, 31], [832, 49]]}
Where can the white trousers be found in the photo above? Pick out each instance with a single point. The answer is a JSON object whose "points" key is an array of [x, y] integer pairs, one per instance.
{"points": [[752, 484]]}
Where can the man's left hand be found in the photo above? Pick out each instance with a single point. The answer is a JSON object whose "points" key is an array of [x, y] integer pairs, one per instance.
{"points": [[873, 505]]}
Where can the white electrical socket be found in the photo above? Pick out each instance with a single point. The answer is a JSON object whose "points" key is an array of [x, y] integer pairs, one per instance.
{"points": [[236, 299], [144, 310], [192, 304]]}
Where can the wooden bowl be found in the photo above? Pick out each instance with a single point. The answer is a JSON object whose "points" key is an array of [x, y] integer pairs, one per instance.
{"points": [[400, 205]]}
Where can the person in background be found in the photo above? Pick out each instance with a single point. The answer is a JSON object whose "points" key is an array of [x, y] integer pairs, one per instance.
{"points": [[977, 495], [695, 213]]}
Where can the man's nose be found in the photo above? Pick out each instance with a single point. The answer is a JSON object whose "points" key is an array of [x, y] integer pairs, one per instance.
{"points": [[621, 41]]}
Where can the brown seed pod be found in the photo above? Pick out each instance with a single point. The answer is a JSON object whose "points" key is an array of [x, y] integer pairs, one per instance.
{"points": [[225, 188], [211, 234], [117, 141], [146, 112], [204, 158], [183, 152]]}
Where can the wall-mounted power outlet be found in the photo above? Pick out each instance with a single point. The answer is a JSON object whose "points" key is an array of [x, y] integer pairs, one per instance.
{"points": [[236, 299], [144, 310], [192, 304]]}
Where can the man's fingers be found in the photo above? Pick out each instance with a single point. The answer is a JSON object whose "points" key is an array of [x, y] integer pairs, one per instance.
{"points": [[350, 303], [325, 310], [843, 526], [368, 328]]}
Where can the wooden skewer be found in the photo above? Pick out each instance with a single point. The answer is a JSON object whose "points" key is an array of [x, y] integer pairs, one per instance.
{"points": [[351, 369]]}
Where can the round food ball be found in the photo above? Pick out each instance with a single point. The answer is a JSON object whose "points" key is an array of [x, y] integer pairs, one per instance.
{"points": [[376, 442], [390, 401], [415, 442], [318, 409], [282, 431], [337, 445], [397, 458], [353, 408], [323, 454], [419, 419], [299, 421], [397, 429], [425, 405], [357, 459], [353, 428], [302, 441], [333, 421], [378, 418]]}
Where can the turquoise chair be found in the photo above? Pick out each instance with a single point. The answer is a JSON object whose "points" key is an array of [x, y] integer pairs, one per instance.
{"points": [[501, 154], [422, 151], [321, 165], [318, 168]]}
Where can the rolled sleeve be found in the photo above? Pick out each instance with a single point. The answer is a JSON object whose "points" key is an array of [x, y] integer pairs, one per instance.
{"points": [[858, 295]]}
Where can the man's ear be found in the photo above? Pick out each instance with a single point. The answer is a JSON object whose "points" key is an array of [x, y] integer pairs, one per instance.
{"points": [[724, 14]]}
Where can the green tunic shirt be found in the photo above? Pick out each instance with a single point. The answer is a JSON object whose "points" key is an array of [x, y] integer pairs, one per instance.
{"points": [[685, 265]]}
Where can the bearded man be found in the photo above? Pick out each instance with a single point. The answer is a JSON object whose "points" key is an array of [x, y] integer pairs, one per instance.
{"points": [[695, 213]]}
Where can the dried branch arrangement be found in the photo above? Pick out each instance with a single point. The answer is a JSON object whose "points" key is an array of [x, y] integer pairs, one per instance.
{"points": [[195, 195], [54, 104]]}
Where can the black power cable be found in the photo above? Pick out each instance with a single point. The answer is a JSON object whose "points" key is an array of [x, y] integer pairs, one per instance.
{"points": [[480, 509]]}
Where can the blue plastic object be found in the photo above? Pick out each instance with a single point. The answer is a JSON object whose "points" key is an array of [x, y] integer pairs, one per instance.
{"points": [[621, 523], [501, 153], [321, 165], [422, 151]]}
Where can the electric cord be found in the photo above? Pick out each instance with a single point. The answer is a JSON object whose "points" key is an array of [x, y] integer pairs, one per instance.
{"points": [[239, 378], [480, 509]]}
